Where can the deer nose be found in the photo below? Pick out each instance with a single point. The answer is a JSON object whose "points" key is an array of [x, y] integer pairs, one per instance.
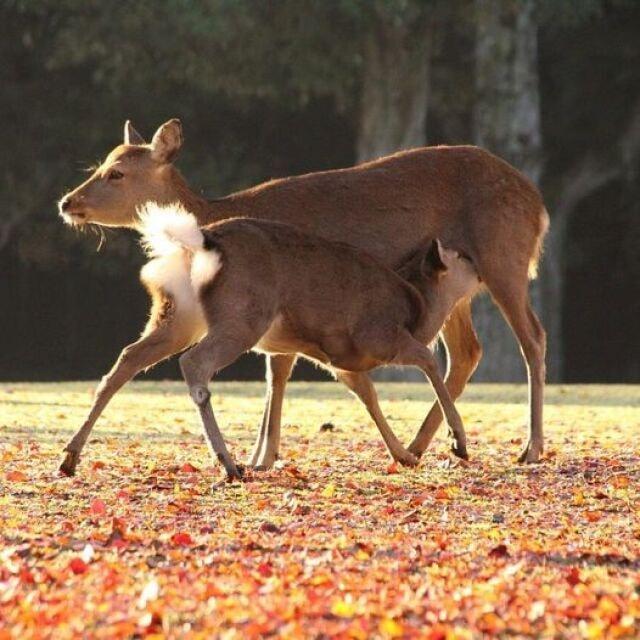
{"points": [[65, 204]]}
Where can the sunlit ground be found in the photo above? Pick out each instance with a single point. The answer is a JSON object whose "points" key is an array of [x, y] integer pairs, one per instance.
{"points": [[333, 543]]}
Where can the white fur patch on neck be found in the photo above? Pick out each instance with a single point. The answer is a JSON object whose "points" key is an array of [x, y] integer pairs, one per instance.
{"points": [[171, 274], [168, 228], [204, 267]]}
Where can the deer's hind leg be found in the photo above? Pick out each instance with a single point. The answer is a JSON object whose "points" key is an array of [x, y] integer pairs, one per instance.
{"points": [[512, 297], [168, 332], [463, 355]]}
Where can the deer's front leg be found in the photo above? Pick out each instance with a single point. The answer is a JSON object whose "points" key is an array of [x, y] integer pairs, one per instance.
{"points": [[166, 334], [265, 450]]}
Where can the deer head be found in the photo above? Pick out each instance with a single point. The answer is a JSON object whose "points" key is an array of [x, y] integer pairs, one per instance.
{"points": [[132, 174]]}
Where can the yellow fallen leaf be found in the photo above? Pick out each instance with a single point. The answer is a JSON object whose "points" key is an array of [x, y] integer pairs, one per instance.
{"points": [[329, 491], [389, 628], [343, 609]]}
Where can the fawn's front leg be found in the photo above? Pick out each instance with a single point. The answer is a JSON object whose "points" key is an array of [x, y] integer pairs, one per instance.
{"points": [[166, 334]]}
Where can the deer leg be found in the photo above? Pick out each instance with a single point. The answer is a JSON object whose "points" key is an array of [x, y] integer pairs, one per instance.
{"points": [[265, 450], [162, 341], [360, 384], [411, 352], [198, 366], [463, 355], [533, 345]]}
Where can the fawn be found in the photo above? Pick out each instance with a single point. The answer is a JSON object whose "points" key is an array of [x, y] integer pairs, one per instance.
{"points": [[271, 287]]}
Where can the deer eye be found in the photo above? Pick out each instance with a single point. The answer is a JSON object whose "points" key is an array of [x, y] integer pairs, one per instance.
{"points": [[114, 174]]}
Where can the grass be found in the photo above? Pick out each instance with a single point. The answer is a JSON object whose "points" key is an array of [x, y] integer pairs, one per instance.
{"points": [[335, 542]]}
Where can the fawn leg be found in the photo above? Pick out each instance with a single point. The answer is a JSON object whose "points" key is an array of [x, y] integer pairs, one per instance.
{"points": [[411, 352], [160, 341], [463, 355], [362, 386], [265, 450], [198, 365]]}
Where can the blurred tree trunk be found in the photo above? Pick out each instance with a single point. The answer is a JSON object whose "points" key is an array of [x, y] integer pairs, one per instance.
{"points": [[507, 122], [395, 85], [395, 99]]}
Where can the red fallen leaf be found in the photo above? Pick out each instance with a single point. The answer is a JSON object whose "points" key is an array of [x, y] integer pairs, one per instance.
{"points": [[264, 569], [412, 516], [78, 565], [117, 535], [620, 482], [499, 551], [182, 539], [123, 494], [593, 516], [573, 576], [442, 494], [98, 464], [269, 527], [16, 476], [392, 468], [98, 507], [187, 467], [26, 576]]}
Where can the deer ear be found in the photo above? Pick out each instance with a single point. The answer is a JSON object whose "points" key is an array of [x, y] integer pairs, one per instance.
{"points": [[131, 136], [167, 141], [433, 262]]}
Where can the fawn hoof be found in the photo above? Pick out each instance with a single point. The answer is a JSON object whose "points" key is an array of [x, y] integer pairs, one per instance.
{"points": [[530, 454], [459, 450], [69, 464], [415, 450], [407, 459], [235, 472]]}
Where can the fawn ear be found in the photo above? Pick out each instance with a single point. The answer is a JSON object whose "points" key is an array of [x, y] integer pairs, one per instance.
{"points": [[167, 141], [131, 136], [433, 262]]}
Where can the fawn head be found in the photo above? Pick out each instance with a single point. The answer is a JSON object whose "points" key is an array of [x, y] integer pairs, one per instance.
{"points": [[433, 268]]}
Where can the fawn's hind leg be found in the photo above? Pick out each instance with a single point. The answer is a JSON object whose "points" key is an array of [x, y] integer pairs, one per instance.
{"points": [[412, 352], [198, 365], [361, 385]]}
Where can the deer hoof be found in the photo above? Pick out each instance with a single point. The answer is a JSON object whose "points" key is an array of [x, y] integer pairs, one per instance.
{"points": [[69, 464], [407, 459], [263, 465], [530, 454]]}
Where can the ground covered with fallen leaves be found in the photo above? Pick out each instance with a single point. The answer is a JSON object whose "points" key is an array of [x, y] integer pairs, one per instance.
{"points": [[335, 542]]}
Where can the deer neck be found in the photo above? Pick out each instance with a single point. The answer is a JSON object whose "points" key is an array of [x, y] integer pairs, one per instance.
{"points": [[189, 199], [205, 211], [437, 308]]}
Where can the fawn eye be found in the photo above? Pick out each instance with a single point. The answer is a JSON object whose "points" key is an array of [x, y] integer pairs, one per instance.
{"points": [[114, 174]]}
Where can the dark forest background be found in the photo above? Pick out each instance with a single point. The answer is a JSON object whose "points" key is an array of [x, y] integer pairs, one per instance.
{"points": [[268, 88]]}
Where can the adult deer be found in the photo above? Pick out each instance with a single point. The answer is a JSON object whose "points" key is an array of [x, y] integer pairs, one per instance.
{"points": [[473, 201]]}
